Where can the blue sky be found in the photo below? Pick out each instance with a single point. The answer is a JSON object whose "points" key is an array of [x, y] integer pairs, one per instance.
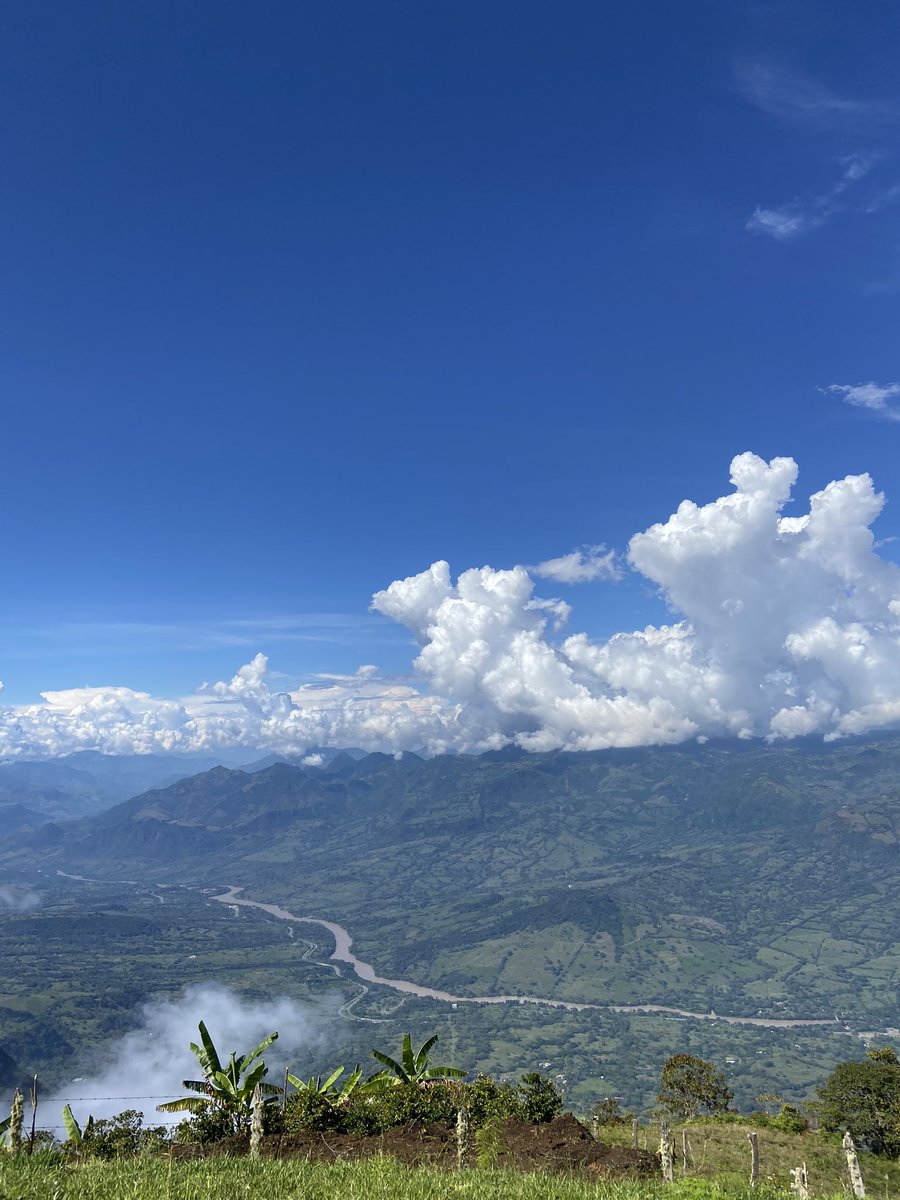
{"points": [[298, 299]]}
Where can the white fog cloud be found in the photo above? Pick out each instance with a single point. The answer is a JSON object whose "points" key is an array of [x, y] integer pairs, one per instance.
{"points": [[781, 626], [147, 1065], [18, 899]]}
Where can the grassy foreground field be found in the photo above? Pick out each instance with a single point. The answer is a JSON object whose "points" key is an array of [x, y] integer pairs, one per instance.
{"points": [[719, 1153], [381, 1179], [717, 1169]]}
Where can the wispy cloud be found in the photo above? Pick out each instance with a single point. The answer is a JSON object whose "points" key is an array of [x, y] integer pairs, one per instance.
{"points": [[873, 396], [581, 566], [781, 223], [814, 209], [333, 628], [796, 98]]}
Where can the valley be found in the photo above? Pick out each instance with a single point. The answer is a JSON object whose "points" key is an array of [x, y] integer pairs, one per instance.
{"points": [[591, 911], [343, 953]]}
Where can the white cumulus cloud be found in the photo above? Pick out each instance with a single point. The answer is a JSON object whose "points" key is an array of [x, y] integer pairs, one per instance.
{"points": [[781, 626]]}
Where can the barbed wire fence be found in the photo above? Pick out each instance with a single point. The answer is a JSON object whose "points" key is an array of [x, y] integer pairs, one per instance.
{"points": [[148, 1117]]}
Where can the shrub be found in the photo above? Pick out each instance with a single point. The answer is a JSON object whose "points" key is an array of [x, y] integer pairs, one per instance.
{"points": [[412, 1102], [487, 1100], [306, 1111], [536, 1099], [541, 1099], [864, 1097], [119, 1136], [790, 1120], [608, 1111]]}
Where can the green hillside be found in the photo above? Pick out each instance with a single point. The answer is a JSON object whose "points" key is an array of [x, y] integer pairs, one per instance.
{"points": [[753, 880]]}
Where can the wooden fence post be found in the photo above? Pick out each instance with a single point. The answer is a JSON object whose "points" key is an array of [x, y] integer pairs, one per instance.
{"points": [[256, 1122], [665, 1151], [753, 1138], [800, 1182], [34, 1104], [687, 1152], [634, 1134], [462, 1138], [856, 1179]]}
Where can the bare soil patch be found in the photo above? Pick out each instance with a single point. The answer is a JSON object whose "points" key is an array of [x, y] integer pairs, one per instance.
{"points": [[563, 1145]]}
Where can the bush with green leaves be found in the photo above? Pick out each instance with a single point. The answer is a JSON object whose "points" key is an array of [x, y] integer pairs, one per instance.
{"points": [[608, 1111], [407, 1102], [691, 1087], [540, 1098], [373, 1109], [864, 1097], [311, 1111], [790, 1120], [121, 1136], [485, 1099]]}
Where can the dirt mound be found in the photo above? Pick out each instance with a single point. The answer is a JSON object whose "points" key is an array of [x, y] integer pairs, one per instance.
{"points": [[561, 1145], [564, 1144]]}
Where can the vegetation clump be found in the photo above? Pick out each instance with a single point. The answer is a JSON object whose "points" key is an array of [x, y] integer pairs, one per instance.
{"points": [[864, 1098], [226, 1091], [691, 1086]]}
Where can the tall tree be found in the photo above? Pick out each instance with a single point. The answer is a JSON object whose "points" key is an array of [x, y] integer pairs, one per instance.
{"points": [[690, 1086], [864, 1098]]}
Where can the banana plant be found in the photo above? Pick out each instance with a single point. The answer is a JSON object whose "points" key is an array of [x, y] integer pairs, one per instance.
{"points": [[334, 1095], [74, 1133], [228, 1087], [413, 1067]]}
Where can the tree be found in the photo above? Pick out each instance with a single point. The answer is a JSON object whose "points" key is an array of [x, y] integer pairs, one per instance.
{"points": [[690, 1086], [414, 1066], [883, 1054], [864, 1098], [608, 1111], [228, 1089], [540, 1098]]}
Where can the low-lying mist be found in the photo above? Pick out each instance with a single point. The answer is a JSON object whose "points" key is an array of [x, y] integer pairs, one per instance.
{"points": [[148, 1064]]}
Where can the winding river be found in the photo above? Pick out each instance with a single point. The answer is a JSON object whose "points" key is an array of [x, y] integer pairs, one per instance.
{"points": [[365, 971]]}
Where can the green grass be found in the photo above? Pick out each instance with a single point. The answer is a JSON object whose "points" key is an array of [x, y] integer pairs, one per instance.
{"points": [[721, 1153], [381, 1179]]}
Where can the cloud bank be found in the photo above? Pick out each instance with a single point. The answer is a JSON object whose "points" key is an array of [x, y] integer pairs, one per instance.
{"points": [[781, 626]]}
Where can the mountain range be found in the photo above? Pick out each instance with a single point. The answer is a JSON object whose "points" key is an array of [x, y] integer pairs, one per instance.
{"points": [[743, 877]]}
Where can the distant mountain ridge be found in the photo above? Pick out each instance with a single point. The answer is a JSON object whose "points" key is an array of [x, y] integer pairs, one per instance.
{"points": [[84, 783], [734, 876]]}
